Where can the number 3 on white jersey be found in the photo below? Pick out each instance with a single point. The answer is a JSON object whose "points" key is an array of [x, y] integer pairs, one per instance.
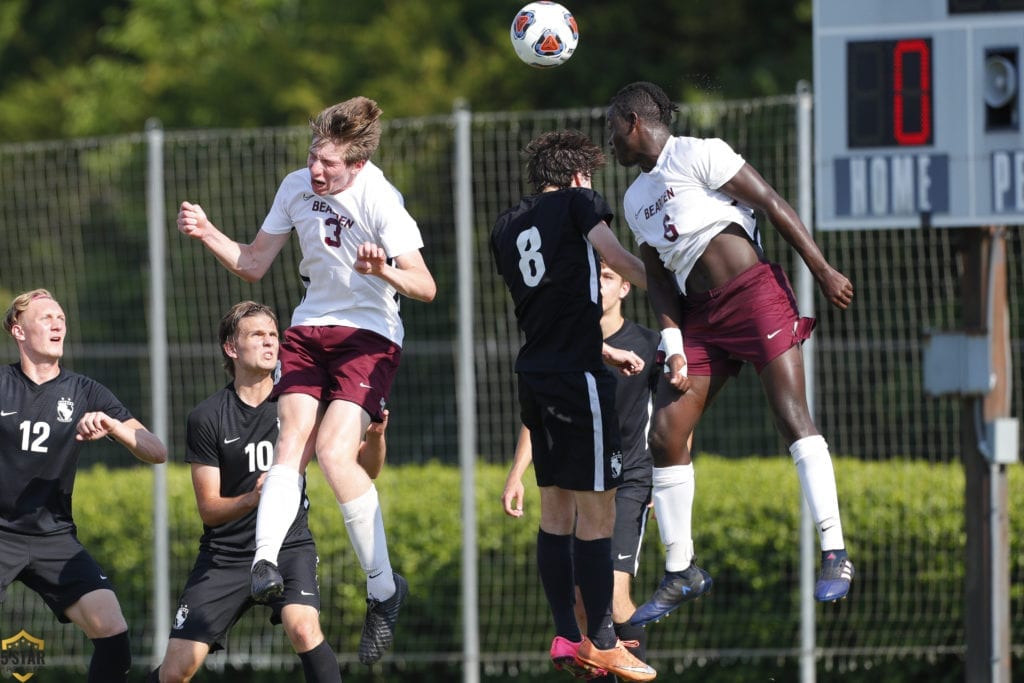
{"points": [[531, 261]]}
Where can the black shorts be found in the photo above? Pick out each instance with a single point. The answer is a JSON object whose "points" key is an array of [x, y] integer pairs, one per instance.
{"points": [[631, 511], [57, 567], [574, 430], [216, 594]]}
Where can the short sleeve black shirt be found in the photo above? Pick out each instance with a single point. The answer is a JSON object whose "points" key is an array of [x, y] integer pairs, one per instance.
{"points": [[38, 451], [633, 395], [541, 250], [239, 439]]}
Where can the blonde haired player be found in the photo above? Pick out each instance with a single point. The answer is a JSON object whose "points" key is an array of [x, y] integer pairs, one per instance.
{"points": [[47, 413]]}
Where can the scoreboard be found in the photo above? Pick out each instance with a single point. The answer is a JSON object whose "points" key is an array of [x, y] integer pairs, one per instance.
{"points": [[917, 113]]}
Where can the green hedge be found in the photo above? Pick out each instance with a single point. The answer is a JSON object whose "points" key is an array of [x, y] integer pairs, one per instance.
{"points": [[903, 524]]}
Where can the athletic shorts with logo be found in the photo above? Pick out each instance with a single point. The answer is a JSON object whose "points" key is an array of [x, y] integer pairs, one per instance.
{"points": [[334, 362], [56, 566], [217, 592], [632, 500], [574, 430], [753, 318]]}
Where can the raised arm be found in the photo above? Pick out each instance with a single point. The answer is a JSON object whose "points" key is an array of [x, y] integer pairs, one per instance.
{"points": [[616, 256], [751, 189], [248, 261]]}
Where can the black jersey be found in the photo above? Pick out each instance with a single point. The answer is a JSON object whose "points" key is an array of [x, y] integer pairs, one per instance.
{"points": [[541, 250], [38, 451], [227, 433], [633, 395]]}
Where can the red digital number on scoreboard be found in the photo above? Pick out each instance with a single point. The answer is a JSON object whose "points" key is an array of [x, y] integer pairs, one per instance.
{"points": [[889, 93]]}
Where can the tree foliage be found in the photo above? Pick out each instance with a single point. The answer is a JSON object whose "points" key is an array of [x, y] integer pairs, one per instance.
{"points": [[95, 67]]}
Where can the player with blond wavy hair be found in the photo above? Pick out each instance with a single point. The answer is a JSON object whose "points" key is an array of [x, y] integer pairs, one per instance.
{"points": [[47, 414]]}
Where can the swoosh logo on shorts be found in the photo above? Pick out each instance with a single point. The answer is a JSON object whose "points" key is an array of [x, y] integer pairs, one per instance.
{"points": [[232, 440], [306, 593], [772, 335]]}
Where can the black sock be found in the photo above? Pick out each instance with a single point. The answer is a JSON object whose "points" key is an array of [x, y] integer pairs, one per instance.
{"points": [[111, 659], [554, 562], [153, 676], [627, 631], [594, 577], [320, 665]]}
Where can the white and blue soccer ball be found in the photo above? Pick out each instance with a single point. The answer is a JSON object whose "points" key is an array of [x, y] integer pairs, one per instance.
{"points": [[544, 34]]}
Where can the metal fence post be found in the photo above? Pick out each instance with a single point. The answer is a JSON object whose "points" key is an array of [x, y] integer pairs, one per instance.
{"points": [[158, 363], [466, 391], [805, 302]]}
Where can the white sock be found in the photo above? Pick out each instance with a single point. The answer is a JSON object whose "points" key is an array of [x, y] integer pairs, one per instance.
{"points": [[673, 490], [279, 502], [365, 525], [818, 482]]}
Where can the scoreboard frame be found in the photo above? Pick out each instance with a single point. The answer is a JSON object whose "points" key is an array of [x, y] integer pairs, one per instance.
{"points": [[917, 113]]}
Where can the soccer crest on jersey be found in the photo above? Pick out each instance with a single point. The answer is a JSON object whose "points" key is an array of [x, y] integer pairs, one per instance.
{"points": [[633, 395], [38, 450], [65, 410]]}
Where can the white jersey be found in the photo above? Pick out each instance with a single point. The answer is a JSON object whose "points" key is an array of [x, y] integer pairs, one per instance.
{"points": [[330, 230], [676, 206]]}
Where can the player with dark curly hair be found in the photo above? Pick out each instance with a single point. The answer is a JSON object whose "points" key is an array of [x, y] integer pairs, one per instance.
{"points": [[547, 249]]}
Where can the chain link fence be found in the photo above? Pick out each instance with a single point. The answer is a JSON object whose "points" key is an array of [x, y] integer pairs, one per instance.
{"points": [[73, 219]]}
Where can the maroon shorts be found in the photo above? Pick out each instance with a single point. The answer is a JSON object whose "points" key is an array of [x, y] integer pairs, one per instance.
{"points": [[332, 362], [752, 318]]}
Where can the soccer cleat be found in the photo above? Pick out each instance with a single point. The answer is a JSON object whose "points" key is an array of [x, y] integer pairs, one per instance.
{"points": [[675, 589], [563, 653], [563, 656], [379, 624], [618, 661], [836, 574], [266, 582]]}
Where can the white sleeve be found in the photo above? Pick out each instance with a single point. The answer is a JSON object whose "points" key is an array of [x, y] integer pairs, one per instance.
{"points": [[399, 234], [278, 220], [717, 162]]}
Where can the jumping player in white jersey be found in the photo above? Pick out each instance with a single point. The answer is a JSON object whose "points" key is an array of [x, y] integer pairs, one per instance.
{"points": [[47, 413], [719, 304], [360, 250], [544, 249]]}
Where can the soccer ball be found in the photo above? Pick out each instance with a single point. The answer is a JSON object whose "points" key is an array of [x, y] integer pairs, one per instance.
{"points": [[544, 34]]}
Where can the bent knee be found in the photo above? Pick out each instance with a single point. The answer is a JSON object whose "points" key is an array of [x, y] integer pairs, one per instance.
{"points": [[177, 672], [668, 449], [304, 632]]}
